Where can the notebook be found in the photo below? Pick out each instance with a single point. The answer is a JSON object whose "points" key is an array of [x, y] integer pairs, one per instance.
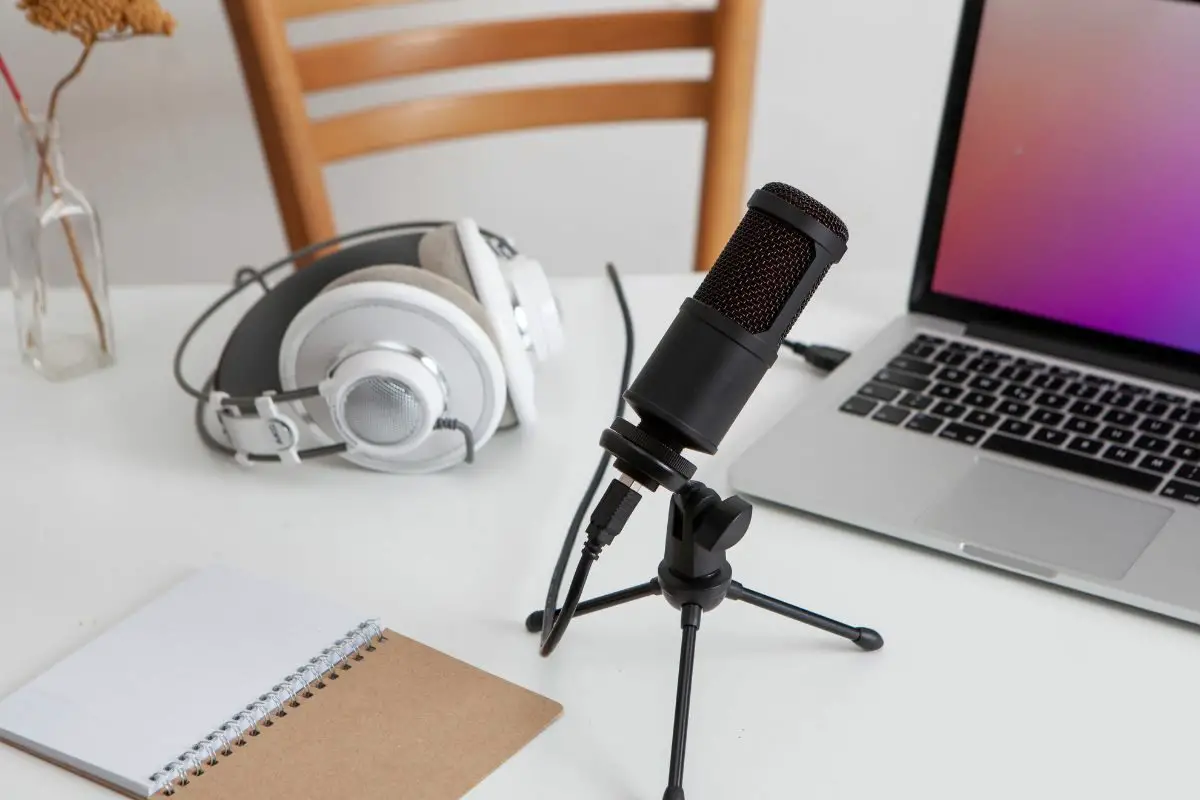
{"points": [[231, 686]]}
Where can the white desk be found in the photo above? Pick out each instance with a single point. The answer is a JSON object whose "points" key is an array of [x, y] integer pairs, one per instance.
{"points": [[989, 687]]}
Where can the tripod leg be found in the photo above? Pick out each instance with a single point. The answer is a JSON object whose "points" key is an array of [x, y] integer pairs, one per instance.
{"points": [[690, 622], [865, 638], [533, 623]]}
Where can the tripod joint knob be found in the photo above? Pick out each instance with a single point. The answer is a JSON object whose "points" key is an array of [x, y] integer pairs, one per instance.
{"points": [[724, 524]]}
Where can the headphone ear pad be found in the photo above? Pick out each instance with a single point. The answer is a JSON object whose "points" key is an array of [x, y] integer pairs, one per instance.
{"points": [[441, 253], [421, 279]]}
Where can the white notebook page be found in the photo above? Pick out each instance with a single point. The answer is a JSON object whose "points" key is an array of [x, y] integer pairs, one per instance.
{"points": [[132, 700]]}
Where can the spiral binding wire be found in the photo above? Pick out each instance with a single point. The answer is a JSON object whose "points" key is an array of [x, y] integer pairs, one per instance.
{"points": [[274, 704]]}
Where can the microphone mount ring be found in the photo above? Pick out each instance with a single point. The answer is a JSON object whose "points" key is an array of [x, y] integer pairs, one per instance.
{"points": [[644, 459]]}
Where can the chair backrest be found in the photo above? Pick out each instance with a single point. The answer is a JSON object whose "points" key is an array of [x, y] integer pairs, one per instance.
{"points": [[297, 148]]}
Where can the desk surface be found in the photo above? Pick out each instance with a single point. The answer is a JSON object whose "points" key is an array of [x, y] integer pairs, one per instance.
{"points": [[990, 686]]}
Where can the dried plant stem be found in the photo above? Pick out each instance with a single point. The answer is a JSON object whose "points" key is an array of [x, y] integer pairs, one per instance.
{"points": [[46, 171]]}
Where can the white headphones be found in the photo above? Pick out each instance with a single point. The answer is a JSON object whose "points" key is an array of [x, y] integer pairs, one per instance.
{"points": [[398, 368]]}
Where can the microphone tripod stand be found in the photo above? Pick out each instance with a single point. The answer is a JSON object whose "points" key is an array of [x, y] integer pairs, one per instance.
{"points": [[695, 576]]}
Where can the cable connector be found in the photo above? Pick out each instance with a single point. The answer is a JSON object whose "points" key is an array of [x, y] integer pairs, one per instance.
{"points": [[610, 514], [820, 356]]}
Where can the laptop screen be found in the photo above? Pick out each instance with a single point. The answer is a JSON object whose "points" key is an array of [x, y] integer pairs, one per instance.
{"points": [[1075, 194]]}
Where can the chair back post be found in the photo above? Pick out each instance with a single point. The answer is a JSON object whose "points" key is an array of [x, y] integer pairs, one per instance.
{"points": [[727, 145], [273, 83]]}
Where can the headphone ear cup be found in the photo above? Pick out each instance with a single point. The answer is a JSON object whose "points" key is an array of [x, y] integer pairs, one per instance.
{"points": [[460, 254], [368, 324]]}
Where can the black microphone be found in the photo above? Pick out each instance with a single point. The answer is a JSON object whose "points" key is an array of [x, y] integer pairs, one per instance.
{"points": [[725, 338]]}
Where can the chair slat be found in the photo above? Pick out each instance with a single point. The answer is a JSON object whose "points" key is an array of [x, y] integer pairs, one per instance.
{"points": [[413, 52], [298, 9], [438, 118]]}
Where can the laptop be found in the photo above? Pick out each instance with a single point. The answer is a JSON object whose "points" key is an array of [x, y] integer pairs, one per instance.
{"points": [[1038, 407]]}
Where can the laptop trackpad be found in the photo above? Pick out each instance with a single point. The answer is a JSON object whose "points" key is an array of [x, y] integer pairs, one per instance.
{"points": [[1009, 510]]}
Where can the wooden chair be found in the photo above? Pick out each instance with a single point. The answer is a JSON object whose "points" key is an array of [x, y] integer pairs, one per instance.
{"points": [[297, 147]]}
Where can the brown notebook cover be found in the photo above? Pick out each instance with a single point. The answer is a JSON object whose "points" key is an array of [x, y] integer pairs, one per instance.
{"points": [[405, 723]]}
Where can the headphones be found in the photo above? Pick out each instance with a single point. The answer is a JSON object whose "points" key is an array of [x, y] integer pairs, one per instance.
{"points": [[395, 367]]}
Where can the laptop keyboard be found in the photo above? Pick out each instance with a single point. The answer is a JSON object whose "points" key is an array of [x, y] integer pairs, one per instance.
{"points": [[1059, 417]]}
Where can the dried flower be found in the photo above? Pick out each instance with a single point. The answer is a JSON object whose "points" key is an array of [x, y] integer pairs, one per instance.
{"points": [[90, 20]]}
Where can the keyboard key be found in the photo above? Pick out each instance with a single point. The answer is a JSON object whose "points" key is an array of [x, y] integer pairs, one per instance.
{"points": [[1012, 408], [951, 375], [1186, 452], [1015, 374], [913, 365], [1018, 392], [1153, 408], [1122, 455], [1050, 436], [1071, 462], [1043, 416], [1015, 427], [890, 415], [1050, 400], [1184, 492], [917, 402], [1120, 417], [962, 347], [979, 400], [982, 419], [1118, 399], [985, 384], [1083, 408], [1118, 435], [946, 392], [984, 366], [1084, 391], [1186, 416], [1030, 363], [877, 391], [1063, 372], [1167, 397], [902, 379], [1188, 435], [1157, 464], [962, 433], [1081, 425], [950, 410], [859, 406], [1096, 380], [923, 423], [1189, 473], [929, 339], [1157, 427], [920, 350], [1051, 383], [950, 358], [1133, 388], [1152, 444], [1089, 447]]}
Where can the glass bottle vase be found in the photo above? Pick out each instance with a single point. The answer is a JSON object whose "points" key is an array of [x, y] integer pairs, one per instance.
{"points": [[56, 259]]}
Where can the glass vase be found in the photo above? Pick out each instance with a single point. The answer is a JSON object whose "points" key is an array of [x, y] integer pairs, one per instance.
{"points": [[56, 259]]}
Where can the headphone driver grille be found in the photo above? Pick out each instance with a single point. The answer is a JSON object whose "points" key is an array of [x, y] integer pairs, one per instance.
{"points": [[382, 411]]}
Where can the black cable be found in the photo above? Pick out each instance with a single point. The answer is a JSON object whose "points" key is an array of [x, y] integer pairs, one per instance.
{"points": [[820, 356], [553, 627], [451, 424]]}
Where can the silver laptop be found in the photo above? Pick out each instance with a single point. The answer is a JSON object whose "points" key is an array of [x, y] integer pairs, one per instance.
{"points": [[1038, 408]]}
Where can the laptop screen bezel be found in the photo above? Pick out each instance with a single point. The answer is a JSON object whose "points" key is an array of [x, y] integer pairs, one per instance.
{"points": [[924, 300]]}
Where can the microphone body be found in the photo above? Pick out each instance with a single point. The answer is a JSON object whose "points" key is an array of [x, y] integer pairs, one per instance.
{"points": [[724, 339]]}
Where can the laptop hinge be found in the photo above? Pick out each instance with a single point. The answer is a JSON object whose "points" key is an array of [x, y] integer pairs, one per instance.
{"points": [[1083, 354]]}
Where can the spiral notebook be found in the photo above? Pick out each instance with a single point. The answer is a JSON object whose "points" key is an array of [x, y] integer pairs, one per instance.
{"points": [[230, 686]]}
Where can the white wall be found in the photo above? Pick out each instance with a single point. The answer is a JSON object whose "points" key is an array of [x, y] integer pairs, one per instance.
{"points": [[159, 134]]}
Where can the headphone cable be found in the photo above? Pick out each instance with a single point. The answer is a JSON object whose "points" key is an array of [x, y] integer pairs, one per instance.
{"points": [[554, 625]]}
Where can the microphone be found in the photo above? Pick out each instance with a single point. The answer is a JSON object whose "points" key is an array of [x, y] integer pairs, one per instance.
{"points": [[724, 338]]}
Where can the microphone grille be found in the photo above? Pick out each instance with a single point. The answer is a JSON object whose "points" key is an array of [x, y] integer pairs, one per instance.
{"points": [[763, 262], [810, 206]]}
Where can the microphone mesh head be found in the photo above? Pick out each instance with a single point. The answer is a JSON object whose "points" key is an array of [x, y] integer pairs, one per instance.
{"points": [[763, 262]]}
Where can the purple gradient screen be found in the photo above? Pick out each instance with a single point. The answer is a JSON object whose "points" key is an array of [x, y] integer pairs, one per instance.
{"points": [[1076, 192]]}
